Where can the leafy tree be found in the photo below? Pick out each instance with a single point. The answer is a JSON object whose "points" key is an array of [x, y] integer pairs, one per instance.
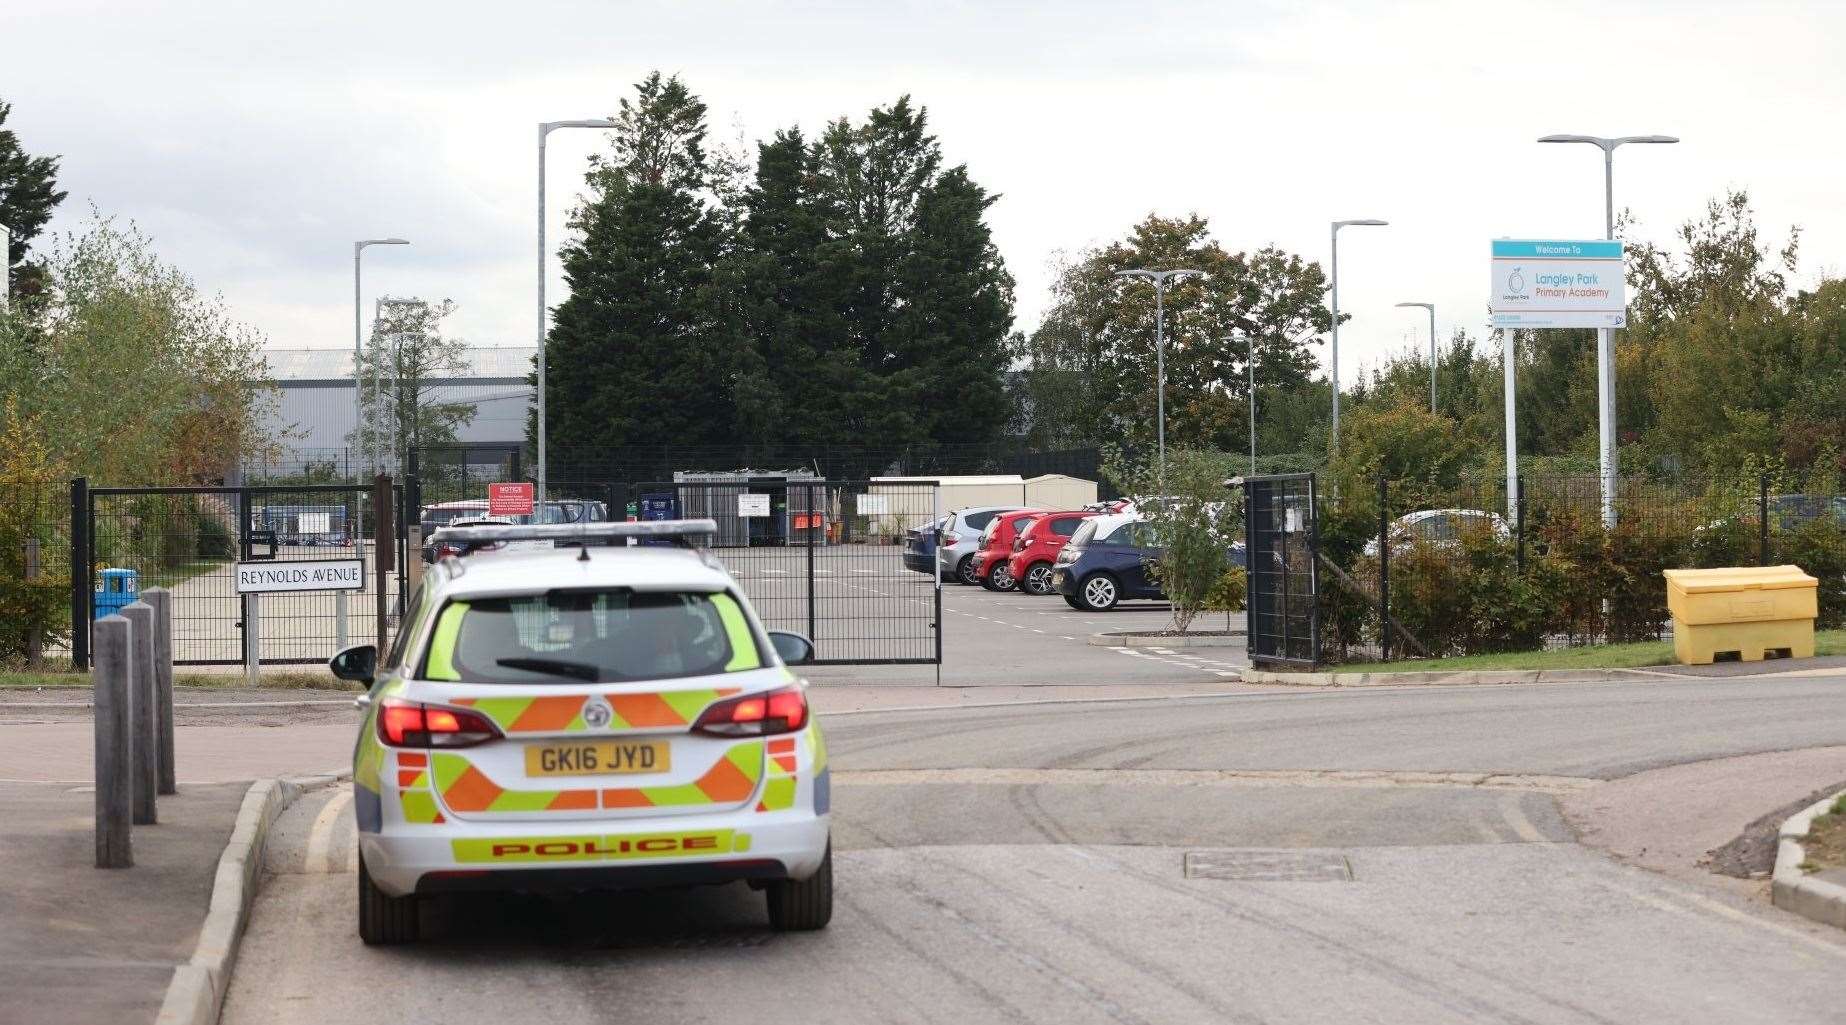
{"points": [[400, 402], [28, 194], [32, 480], [1194, 524], [644, 349], [132, 373], [1092, 369]]}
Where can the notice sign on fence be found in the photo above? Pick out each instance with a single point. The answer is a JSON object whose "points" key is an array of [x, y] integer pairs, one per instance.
{"points": [[752, 505], [316, 575], [509, 499], [1557, 283]]}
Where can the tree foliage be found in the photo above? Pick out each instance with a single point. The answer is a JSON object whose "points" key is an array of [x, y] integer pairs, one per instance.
{"points": [[401, 405], [28, 194], [133, 374], [1091, 365], [846, 292]]}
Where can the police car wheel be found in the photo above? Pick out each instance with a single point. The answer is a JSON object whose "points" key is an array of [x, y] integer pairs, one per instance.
{"points": [[384, 919], [803, 905]]}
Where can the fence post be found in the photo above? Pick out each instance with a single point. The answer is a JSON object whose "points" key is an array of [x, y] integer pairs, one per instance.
{"points": [[144, 763], [161, 600], [811, 603], [109, 694], [34, 639], [82, 575], [1762, 520], [1384, 569], [1519, 523]]}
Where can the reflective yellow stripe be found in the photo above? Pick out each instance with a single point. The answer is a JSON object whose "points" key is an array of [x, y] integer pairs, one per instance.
{"points": [[743, 645], [442, 645]]}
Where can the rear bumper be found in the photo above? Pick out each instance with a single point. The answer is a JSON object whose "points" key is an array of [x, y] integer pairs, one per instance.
{"points": [[919, 562], [585, 854]]}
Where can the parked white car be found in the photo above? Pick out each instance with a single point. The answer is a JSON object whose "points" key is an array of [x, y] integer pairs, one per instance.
{"points": [[1440, 526]]}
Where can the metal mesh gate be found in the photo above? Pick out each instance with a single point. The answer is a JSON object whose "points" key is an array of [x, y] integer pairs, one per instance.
{"points": [[823, 558], [190, 540], [1281, 526]]}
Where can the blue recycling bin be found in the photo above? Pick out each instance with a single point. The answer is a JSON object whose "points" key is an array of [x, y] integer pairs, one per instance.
{"points": [[119, 587]]}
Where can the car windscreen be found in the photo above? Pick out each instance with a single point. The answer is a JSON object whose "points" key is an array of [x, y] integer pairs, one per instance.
{"points": [[1084, 534], [980, 520], [601, 636]]}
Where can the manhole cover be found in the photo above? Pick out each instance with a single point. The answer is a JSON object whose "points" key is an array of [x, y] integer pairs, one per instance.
{"points": [[1253, 866]]}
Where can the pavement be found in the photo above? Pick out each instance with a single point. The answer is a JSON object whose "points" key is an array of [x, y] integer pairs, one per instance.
{"points": [[86, 945]]}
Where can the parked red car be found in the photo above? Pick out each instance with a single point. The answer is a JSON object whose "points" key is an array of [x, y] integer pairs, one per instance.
{"points": [[990, 562], [1035, 550]]}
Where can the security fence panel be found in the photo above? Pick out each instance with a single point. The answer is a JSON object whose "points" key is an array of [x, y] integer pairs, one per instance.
{"points": [[1280, 541], [191, 540], [823, 558]]}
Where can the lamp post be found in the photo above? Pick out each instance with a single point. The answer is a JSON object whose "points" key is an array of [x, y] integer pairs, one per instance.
{"points": [[1367, 222], [1162, 280], [546, 128], [1431, 307], [358, 355], [1605, 338]]}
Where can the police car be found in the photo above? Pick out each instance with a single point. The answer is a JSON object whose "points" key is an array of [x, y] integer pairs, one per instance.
{"points": [[585, 718]]}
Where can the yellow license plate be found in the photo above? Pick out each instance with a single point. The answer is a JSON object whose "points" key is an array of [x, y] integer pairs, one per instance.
{"points": [[597, 758]]}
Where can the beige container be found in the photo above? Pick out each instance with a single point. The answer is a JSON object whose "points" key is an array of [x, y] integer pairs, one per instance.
{"points": [[1746, 613]]}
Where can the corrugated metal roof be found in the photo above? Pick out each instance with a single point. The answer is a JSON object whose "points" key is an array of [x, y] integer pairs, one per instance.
{"points": [[329, 364]]}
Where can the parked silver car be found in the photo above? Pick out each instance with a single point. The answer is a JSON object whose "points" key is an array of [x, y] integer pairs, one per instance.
{"points": [[961, 538]]}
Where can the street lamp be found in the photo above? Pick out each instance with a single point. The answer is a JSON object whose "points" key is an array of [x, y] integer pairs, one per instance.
{"points": [[358, 356], [546, 128], [1162, 280], [1431, 307], [1335, 355], [1605, 338]]}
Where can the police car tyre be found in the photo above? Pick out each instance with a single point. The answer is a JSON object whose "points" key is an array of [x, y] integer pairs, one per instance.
{"points": [[1038, 579], [964, 571], [803, 905], [1099, 592], [384, 919]]}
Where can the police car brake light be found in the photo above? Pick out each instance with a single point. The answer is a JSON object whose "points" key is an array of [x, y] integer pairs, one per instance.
{"points": [[408, 724], [756, 715]]}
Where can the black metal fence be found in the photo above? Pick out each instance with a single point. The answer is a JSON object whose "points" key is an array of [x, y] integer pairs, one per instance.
{"points": [[191, 540], [1283, 570], [1416, 569]]}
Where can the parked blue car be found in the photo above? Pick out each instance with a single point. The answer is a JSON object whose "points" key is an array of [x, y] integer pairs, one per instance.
{"points": [[920, 546], [1107, 562]]}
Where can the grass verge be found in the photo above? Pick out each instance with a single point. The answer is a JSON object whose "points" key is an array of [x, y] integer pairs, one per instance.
{"points": [[271, 680], [1825, 844], [1596, 656]]}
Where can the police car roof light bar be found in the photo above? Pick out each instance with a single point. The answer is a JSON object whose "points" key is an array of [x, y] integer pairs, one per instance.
{"points": [[682, 531]]}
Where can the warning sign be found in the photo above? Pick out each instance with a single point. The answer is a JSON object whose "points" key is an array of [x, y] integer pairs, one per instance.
{"points": [[509, 499]]}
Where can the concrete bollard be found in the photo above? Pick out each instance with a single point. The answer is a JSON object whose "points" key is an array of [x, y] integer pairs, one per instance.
{"points": [[109, 686], [162, 601], [143, 720]]}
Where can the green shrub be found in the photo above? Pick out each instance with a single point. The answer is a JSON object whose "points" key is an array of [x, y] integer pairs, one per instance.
{"points": [[1227, 593], [1819, 548], [215, 538]]}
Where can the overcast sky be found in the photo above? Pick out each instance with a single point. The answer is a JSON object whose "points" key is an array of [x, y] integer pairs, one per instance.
{"points": [[255, 142]]}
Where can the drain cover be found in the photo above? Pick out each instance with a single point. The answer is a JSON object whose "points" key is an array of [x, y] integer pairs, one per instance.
{"points": [[1260, 866]]}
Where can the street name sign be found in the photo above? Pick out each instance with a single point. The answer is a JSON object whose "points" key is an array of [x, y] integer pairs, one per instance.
{"points": [[305, 575], [509, 499], [1558, 283]]}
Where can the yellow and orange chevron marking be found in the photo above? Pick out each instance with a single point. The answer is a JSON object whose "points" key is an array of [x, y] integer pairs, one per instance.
{"points": [[731, 779], [563, 713], [779, 792], [413, 789]]}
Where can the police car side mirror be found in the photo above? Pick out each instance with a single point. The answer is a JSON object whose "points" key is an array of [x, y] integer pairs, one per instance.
{"points": [[358, 663], [791, 647]]}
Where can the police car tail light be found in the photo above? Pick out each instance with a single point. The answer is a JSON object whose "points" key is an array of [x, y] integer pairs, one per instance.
{"points": [[756, 715], [408, 724]]}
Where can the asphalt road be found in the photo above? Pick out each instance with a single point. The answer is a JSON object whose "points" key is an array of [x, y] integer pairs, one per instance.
{"points": [[1380, 856]]}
